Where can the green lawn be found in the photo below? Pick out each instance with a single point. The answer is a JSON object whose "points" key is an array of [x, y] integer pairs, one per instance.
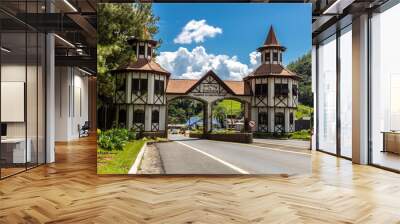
{"points": [[118, 161], [231, 106], [303, 111]]}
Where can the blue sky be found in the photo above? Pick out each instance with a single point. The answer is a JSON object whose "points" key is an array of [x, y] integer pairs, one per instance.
{"points": [[235, 31]]}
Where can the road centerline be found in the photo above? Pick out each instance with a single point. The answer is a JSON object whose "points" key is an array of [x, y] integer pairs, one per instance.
{"points": [[240, 170]]}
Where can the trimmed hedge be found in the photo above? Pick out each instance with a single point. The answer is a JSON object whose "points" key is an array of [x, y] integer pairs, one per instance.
{"points": [[302, 135], [271, 135], [228, 137]]}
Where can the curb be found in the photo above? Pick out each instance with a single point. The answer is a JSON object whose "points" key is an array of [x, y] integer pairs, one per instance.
{"points": [[135, 166]]}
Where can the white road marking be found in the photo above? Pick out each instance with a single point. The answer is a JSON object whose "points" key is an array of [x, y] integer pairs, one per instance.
{"points": [[240, 170], [263, 147], [280, 144]]}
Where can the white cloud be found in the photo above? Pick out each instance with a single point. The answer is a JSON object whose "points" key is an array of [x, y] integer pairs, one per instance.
{"points": [[255, 58], [196, 31], [193, 64]]}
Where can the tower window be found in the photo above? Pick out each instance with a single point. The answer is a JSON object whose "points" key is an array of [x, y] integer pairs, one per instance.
{"points": [[139, 86], [280, 57], [294, 90], [141, 50], [135, 48], [159, 87], [267, 57], [149, 53], [155, 116], [281, 89], [275, 56], [261, 90]]}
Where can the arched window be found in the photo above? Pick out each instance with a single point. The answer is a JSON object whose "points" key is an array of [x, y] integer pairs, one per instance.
{"points": [[155, 116], [138, 116], [263, 118], [291, 118], [122, 117], [279, 118]]}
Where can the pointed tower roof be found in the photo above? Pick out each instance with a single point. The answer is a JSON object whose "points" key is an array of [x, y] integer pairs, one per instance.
{"points": [[271, 37], [271, 41], [142, 64]]}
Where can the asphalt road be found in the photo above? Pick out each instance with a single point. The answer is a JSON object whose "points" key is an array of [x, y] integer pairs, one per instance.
{"points": [[198, 156]]}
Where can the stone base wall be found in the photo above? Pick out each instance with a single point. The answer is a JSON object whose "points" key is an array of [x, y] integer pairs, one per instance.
{"points": [[159, 134]]}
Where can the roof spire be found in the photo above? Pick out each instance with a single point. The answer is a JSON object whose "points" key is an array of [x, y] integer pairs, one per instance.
{"points": [[271, 37]]}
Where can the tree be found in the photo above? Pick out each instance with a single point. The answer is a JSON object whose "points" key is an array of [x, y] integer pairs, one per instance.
{"points": [[302, 66], [116, 24], [180, 110], [219, 112]]}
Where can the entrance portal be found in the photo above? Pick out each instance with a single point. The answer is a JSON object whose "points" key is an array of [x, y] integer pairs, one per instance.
{"points": [[185, 114], [228, 115]]}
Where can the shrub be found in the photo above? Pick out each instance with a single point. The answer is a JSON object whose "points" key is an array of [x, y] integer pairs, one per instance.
{"points": [[196, 131], [303, 134], [223, 131], [131, 135], [115, 138], [271, 135]]}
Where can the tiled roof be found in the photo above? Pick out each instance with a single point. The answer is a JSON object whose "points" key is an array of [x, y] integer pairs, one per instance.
{"points": [[272, 70], [180, 86], [271, 41], [143, 65], [271, 38], [236, 86]]}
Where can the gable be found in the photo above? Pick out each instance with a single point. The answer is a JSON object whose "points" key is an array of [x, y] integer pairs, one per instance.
{"points": [[210, 85]]}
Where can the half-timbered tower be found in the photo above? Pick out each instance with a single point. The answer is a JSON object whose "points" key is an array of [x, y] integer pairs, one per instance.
{"points": [[140, 98], [274, 88]]}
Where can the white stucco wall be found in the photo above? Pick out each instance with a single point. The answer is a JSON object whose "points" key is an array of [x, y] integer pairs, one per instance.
{"points": [[71, 102]]}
